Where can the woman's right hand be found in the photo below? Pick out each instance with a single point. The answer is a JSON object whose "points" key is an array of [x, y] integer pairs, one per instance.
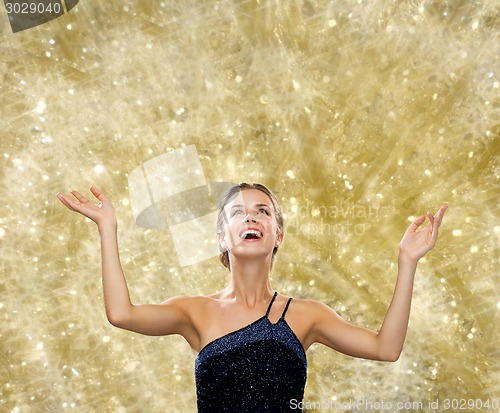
{"points": [[102, 212]]}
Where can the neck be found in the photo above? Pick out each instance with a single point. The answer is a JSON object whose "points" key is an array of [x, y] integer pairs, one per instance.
{"points": [[250, 281]]}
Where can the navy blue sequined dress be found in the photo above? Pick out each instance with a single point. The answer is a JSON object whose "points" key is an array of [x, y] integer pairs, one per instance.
{"points": [[259, 368]]}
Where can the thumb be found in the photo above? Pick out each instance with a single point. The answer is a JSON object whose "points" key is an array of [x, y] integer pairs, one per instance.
{"points": [[416, 223]]}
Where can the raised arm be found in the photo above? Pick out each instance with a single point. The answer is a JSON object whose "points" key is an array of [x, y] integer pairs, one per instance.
{"points": [[170, 317], [414, 245], [329, 329]]}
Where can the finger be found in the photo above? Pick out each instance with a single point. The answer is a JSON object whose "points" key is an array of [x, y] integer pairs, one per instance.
{"points": [[79, 196], [103, 201], [97, 192], [430, 224], [428, 228], [438, 219], [68, 202], [431, 217], [439, 215], [60, 196], [416, 223], [433, 225]]}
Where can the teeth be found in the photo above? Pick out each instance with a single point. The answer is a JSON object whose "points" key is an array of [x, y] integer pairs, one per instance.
{"points": [[250, 231]]}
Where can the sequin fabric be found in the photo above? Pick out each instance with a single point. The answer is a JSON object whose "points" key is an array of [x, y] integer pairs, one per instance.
{"points": [[259, 368]]}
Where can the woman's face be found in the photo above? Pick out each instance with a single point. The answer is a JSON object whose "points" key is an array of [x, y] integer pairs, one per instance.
{"points": [[250, 228]]}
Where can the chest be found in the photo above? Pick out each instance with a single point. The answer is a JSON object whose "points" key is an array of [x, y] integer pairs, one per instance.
{"points": [[215, 322]]}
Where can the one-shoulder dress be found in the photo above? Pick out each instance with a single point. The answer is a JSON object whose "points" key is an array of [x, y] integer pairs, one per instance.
{"points": [[259, 368]]}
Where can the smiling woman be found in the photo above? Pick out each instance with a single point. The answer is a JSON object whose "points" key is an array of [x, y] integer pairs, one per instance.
{"points": [[250, 358], [359, 115], [269, 206]]}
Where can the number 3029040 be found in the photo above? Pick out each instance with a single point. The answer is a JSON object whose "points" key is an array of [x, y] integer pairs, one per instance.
{"points": [[32, 8], [470, 404]]}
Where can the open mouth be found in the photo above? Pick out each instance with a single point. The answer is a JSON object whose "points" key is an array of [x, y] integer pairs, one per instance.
{"points": [[251, 234]]}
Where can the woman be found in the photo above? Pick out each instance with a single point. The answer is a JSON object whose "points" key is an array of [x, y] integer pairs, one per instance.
{"points": [[250, 341]]}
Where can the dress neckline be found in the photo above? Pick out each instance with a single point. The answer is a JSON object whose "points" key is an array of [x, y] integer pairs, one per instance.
{"points": [[248, 325], [264, 317]]}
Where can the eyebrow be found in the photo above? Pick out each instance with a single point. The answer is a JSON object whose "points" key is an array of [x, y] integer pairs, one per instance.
{"points": [[257, 205]]}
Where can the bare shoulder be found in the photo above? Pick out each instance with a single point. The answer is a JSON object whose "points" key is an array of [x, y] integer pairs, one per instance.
{"points": [[198, 309], [192, 312], [311, 308], [189, 304]]}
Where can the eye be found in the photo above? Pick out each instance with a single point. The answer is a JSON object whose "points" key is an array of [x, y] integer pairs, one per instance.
{"points": [[264, 210], [237, 211]]}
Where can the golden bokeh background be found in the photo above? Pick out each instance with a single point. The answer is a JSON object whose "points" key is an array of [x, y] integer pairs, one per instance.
{"points": [[359, 115]]}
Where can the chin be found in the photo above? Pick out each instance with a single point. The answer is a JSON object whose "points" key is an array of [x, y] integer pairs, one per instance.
{"points": [[247, 253]]}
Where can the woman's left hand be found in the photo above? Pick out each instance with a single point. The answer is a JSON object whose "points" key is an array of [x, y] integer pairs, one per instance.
{"points": [[415, 245]]}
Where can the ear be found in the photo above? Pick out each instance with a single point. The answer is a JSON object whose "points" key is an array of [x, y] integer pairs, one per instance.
{"points": [[279, 239], [221, 240]]}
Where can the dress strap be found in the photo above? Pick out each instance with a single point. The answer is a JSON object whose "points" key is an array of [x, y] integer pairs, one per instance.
{"points": [[286, 307], [271, 303]]}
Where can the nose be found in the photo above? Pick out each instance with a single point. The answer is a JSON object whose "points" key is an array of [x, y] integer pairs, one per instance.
{"points": [[249, 217]]}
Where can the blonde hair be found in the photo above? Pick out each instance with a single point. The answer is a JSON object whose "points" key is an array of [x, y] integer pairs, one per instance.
{"points": [[231, 193]]}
